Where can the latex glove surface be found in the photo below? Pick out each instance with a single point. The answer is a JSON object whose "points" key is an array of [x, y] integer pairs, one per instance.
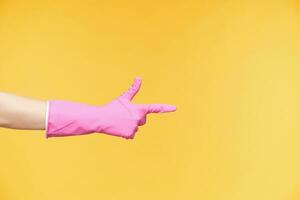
{"points": [[119, 117]]}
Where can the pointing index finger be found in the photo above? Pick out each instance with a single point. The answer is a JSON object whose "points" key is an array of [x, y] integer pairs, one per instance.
{"points": [[158, 108]]}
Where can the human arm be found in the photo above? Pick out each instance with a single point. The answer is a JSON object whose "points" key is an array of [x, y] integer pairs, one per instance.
{"points": [[20, 112], [120, 117]]}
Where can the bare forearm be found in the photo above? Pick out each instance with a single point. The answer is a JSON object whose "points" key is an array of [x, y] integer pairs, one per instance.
{"points": [[19, 112]]}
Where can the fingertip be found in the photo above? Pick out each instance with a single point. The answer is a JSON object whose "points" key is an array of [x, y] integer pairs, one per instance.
{"points": [[138, 78], [137, 82], [170, 108], [174, 108]]}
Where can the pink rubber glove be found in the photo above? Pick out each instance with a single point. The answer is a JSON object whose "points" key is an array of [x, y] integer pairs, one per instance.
{"points": [[119, 117]]}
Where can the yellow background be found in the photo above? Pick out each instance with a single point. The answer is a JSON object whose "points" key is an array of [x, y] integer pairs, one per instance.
{"points": [[231, 67]]}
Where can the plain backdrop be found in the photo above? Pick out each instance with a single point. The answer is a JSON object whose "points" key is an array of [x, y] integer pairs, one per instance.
{"points": [[231, 67]]}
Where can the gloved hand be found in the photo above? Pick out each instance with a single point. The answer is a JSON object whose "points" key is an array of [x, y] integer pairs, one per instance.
{"points": [[120, 117]]}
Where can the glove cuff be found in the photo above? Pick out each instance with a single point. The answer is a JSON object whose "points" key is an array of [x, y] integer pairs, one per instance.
{"points": [[47, 116]]}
